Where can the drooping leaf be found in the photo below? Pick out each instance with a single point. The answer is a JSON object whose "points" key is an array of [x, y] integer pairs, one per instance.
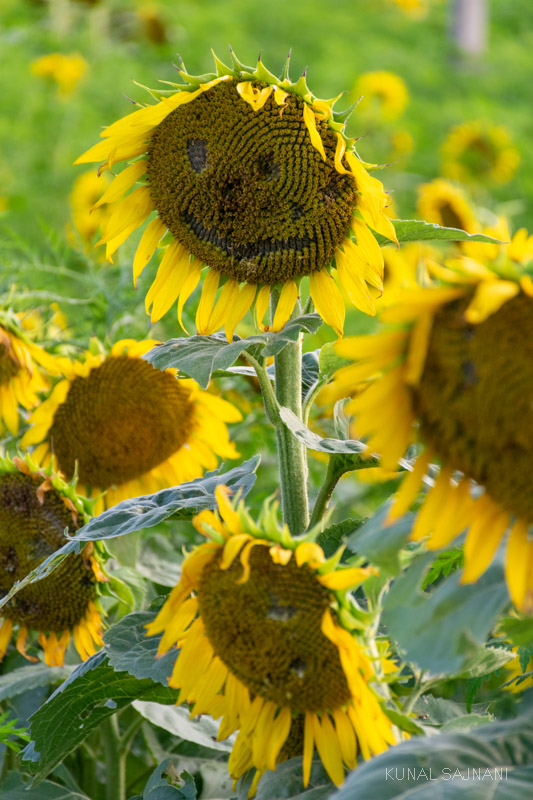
{"points": [[92, 693], [130, 650], [440, 631], [158, 787], [330, 539], [200, 356], [501, 753], [415, 230], [179, 502], [287, 782], [176, 720], [381, 543], [16, 787], [24, 679]]}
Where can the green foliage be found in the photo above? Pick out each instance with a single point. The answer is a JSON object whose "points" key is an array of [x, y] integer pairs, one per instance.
{"points": [[501, 752], [200, 357], [159, 788], [180, 502], [8, 730], [442, 630], [413, 230], [90, 695]]}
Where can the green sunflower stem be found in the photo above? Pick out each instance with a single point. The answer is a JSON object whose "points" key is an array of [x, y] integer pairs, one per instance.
{"points": [[335, 471], [115, 760], [291, 453]]}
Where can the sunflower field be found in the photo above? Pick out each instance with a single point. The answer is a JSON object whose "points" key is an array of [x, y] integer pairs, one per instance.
{"points": [[266, 400]]}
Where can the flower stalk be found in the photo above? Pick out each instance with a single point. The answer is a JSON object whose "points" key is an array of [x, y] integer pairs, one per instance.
{"points": [[291, 453]]}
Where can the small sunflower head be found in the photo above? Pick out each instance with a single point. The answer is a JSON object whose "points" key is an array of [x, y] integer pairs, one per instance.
{"points": [[445, 204], [270, 190], [36, 507], [66, 70], [383, 90], [24, 369], [479, 152], [266, 615], [455, 373], [124, 426]]}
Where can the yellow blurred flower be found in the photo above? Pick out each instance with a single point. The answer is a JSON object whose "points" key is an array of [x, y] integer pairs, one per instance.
{"points": [[384, 90], [65, 70], [479, 152], [86, 191], [441, 202], [413, 8]]}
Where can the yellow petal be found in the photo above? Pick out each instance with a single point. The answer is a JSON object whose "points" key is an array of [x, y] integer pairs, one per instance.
{"points": [[123, 181], [310, 124], [240, 308], [328, 300], [261, 304], [328, 748], [483, 538], [155, 230], [207, 301], [170, 278], [488, 298], [519, 567], [191, 282], [286, 302], [256, 98]]}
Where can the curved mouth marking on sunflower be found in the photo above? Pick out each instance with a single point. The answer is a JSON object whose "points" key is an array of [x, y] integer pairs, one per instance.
{"points": [[261, 249]]}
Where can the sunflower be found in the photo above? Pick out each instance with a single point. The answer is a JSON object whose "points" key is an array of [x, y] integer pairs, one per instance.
{"points": [[261, 622], [86, 191], [477, 152], [455, 373], [65, 70], [23, 368], [384, 89], [444, 203], [129, 428], [417, 9], [36, 506], [255, 178]]}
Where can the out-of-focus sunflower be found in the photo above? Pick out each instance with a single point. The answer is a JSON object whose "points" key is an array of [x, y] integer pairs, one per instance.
{"points": [[23, 368], [65, 70], [444, 203], [384, 89], [255, 178], [479, 152], [456, 374], [132, 429], [417, 9], [261, 622], [516, 670], [36, 507], [86, 190]]}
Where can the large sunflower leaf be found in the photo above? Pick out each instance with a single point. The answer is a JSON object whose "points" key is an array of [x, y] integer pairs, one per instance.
{"points": [[417, 230], [25, 679], [92, 693], [179, 502], [380, 543], [158, 787], [200, 356], [501, 753], [130, 650], [15, 787], [443, 630]]}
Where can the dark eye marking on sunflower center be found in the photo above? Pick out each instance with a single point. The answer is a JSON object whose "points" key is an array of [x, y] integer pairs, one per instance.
{"points": [[279, 611], [264, 248], [197, 153]]}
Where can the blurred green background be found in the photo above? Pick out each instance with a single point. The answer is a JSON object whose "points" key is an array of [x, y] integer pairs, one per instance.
{"points": [[41, 133]]}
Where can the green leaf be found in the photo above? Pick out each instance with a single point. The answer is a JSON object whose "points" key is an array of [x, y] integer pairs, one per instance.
{"points": [[518, 630], [441, 766], [286, 782], [180, 502], [351, 447], [442, 630], [330, 539], [200, 356], [465, 723], [92, 693], [130, 650], [158, 787], [486, 661], [329, 362], [16, 788], [381, 543], [25, 679], [414, 230], [176, 720]]}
